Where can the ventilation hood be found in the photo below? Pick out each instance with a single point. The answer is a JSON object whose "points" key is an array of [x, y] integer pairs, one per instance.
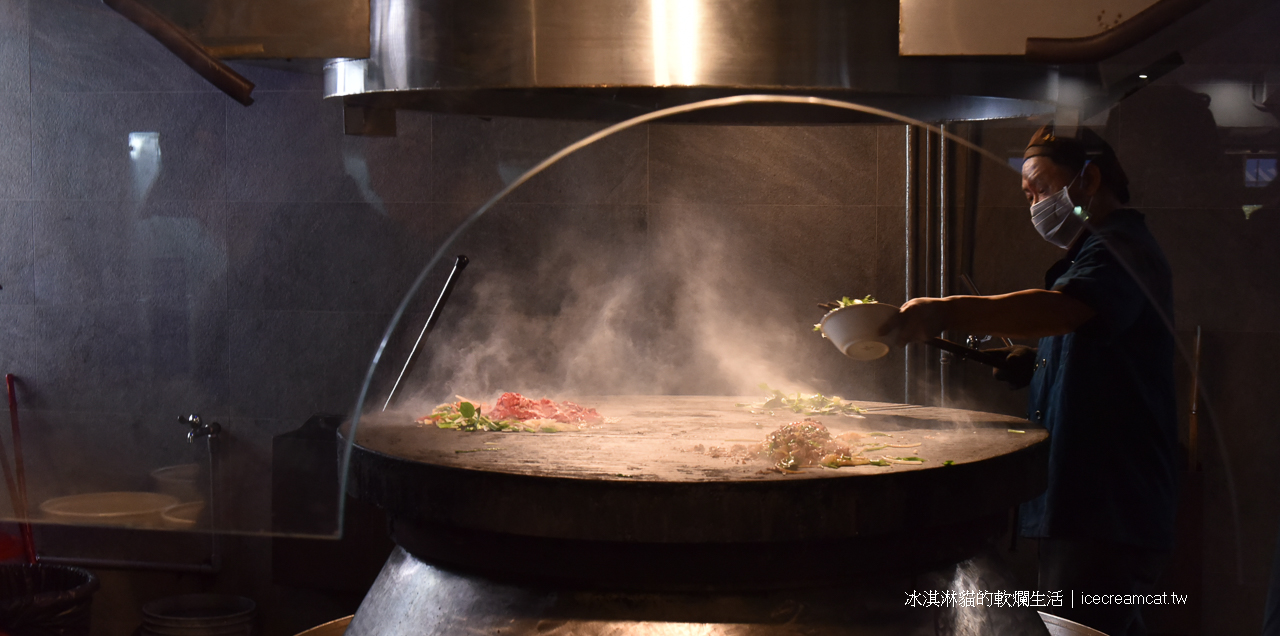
{"points": [[609, 60], [614, 59]]}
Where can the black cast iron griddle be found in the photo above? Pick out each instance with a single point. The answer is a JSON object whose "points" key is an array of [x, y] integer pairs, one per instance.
{"points": [[689, 439], [639, 477]]}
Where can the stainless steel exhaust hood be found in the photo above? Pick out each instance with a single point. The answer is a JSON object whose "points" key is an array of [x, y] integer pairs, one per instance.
{"points": [[614, 59]]}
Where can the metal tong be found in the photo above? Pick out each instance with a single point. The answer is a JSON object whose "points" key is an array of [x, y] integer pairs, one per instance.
{"points": [[977, 355]]}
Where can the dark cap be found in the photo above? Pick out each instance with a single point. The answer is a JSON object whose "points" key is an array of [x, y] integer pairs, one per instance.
{"points": [[1065, 150], [1073, 152]]}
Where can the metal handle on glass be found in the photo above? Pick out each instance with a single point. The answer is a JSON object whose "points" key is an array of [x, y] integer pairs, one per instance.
{"points": [[458, 265]]}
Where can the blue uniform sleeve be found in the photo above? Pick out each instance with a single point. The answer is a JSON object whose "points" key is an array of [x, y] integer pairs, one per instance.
{"points": [[1100, 280]]}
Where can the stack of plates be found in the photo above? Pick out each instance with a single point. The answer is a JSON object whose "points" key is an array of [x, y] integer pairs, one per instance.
{"points": [[134, 509]]}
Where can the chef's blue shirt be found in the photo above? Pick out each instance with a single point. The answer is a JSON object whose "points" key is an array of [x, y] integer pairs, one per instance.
{"points": [[1105, 392]]}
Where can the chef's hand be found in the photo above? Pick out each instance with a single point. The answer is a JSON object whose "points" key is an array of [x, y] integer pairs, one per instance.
{"points": [[1020, 365], [918, 320]]}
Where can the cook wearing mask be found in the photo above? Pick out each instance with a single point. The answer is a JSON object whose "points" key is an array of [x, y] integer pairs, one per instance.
{"points": [[1101, 380]]}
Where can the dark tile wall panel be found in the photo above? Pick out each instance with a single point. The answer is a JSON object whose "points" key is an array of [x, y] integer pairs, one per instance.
{"points": [[289, 146], [891, 274], [1222, 267], [15, 27], [328, 256], [17, 254], [84, 46], [170, 255], [129, 358], [82, 146], [1008, 254], [293, 364], [476, 157], [18, 340], [999, 185], [891, 166], [15, 153], [813, 165]]}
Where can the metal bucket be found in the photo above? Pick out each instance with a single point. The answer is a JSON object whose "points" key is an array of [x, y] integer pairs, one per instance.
{"points": [[1059, 626], [198, 615], [46, 599], [331, 628]]}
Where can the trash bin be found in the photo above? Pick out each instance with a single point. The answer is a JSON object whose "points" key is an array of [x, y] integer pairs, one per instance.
{"points": [[45, 600]]}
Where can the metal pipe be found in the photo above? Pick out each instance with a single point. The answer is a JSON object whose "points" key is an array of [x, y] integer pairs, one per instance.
{"points": [[1193, 419], [943, 225], [944, 357], [20, 507], [124, 564], [928, 253], [1127, 34], [909, 225], [186, 48]]}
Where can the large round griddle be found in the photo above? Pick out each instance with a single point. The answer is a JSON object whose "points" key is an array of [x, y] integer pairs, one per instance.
{"points": [[653, 478]]}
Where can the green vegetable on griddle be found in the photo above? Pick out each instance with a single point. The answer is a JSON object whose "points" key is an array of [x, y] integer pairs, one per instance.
{"points": [[815, 404]]}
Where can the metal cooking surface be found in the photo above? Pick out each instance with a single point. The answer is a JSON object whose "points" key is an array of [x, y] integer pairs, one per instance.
{"points": [[657, 438]]}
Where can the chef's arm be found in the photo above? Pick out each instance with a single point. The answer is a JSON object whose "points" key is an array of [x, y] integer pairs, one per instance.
{"points": [[1032, 313]]}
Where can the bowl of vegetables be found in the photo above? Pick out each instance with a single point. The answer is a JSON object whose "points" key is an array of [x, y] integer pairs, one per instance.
{"points": [[854, 327]]}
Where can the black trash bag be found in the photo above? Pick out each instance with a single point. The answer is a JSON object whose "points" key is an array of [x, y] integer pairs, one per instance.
{"points": [[45, 600]]}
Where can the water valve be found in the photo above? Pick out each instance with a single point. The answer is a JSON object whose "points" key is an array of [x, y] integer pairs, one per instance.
{"points": [[199, 428]]}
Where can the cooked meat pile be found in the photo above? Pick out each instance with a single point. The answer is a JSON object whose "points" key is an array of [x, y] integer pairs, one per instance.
{"points": [[513, 406], [808, 443]]}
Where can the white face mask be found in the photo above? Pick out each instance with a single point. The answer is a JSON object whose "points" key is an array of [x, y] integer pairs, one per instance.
{"points": [[1057, 219]]}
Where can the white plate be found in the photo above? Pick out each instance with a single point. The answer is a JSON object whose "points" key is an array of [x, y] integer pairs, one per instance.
{"points": [[113, 508]]}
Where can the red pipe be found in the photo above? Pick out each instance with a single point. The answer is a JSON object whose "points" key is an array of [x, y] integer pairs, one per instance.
{"points": [[20, 504]]}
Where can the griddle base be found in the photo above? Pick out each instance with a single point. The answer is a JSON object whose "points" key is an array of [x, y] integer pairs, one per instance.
{"points": [[620, 566], [414, 598]]}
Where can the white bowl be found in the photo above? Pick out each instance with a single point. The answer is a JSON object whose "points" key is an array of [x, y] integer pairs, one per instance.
{"points": [[1059, 626], [855, 330], [183, 516], [181, 481], [140, 509]]}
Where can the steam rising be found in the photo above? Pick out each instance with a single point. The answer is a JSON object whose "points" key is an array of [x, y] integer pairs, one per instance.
{"points": [[685, 310]]}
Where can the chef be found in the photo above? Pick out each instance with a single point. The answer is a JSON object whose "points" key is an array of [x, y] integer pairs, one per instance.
{"points": [[1101, 380]]}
